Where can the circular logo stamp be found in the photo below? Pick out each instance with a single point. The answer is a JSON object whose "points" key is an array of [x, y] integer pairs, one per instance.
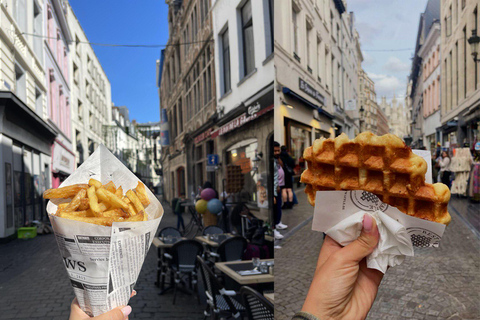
{"points": [[423, 238], [367, 201]]}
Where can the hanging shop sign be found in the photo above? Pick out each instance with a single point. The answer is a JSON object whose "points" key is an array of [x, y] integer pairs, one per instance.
{"points": [[311, 91], [63, 160]]}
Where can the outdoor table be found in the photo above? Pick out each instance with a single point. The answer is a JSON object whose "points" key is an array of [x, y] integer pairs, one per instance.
{"points": [[231, 268], [269, 297], [212, 243]]}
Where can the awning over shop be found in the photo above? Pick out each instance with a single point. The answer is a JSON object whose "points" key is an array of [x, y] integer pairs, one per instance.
{"points": [[295, 95]]}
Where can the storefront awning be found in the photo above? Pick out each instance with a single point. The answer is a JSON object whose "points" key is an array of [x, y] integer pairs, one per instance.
{"points": [[295, 95]]}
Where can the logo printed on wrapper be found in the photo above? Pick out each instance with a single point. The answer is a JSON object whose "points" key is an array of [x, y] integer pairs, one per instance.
{"points": [[423, 238], [367, 201]]}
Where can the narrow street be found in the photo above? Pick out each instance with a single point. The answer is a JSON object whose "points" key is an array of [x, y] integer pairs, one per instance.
{"points": [[34, 283], [439, 283]]}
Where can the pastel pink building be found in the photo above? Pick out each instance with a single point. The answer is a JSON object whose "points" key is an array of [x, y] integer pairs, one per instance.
{"points": [[58, 97], [430, 54]]}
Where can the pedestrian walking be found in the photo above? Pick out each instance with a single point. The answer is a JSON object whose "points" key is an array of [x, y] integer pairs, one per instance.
{"points": [[445, 168], [279, 181], [288, 165]]}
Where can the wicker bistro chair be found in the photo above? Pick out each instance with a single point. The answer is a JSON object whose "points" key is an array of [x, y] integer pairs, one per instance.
{"points": [[182, 262], [258, 308], [231, 249], [220, 302], [212, 230], [161, 263]]}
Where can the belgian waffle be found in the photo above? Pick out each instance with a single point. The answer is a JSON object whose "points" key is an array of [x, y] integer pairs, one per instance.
{"points": [[383, 165]]}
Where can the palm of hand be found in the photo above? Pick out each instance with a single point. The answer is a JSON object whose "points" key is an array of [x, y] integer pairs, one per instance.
{"points": [[346, 289]]}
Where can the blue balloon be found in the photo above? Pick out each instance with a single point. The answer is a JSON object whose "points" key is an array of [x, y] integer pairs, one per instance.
{"points": [[214, 206]]}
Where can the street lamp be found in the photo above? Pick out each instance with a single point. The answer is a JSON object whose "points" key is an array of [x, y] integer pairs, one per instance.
{"points": [[474, 40], [362, 110]]}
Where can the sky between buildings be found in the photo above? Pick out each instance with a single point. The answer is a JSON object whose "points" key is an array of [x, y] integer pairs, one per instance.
{"points": [[382, 25], [387, 25], [131, 71]]}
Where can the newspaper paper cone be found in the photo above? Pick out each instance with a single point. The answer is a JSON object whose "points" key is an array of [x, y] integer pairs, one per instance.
{"points": [[103, 263]]}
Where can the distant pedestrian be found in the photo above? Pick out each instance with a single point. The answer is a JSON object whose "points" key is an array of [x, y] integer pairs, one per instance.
{"points": [[445, 168], [279, 176], [288, 165]]}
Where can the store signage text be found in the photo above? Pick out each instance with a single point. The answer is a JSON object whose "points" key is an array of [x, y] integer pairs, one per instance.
{"points": [[312, 92], [239, 121], [202, 136], [254, 108]]}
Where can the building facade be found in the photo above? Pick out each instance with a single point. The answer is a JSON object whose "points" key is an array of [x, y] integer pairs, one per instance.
{"points": [[26, 136], [244, 57], [382, 122], [90, 91], [187, 92], [368, 101], [316, 60], [430, 57], [57, 56], [460, 74], [398, 119]]}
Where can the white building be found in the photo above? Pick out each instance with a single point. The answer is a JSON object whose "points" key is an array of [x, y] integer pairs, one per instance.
{"points": [[244, 66], [398, 119], [90, 93], [25, 137], [317, 57]]}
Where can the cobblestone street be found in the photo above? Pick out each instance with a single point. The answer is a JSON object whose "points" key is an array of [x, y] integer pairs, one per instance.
{"points": [[34, 284], [437, 283]]}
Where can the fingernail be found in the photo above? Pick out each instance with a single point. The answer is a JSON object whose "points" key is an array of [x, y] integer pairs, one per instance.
{"points": [[367, 223], [126, 311], [134, 292]]}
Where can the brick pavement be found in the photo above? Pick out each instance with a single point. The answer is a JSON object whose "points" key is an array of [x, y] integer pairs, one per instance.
{"points": [[439, 283], [34, 284]]}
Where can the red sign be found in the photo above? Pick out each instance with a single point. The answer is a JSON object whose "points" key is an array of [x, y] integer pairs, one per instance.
{"points": [[239, 121], [202, 136]]}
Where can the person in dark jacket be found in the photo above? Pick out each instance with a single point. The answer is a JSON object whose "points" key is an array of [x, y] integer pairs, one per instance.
{"points": [[288, 165]]}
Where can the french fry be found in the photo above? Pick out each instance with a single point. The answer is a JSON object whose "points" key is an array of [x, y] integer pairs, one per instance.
{"points": [[137, 217], [142, 194], [83, 213], [104, 221], [136, 202], [75, 203], [110, 187], [94, 182], [102, 195], [93, 200], [131, 209], [116, 201], [102, 207], [84, 205], [119, 192], [64, 192], [62, 206], [114, 213]]}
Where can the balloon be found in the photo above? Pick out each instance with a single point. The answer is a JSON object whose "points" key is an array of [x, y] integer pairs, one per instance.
{"points": [[201, 206], [214, 206], [207, 194]]}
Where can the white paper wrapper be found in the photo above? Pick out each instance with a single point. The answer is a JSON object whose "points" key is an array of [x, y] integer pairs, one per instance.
{"points": [[393, 246], [333, 207], [103, 263]]}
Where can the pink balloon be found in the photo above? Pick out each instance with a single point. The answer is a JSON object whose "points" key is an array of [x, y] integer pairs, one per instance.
{"points": [[207, 194]]}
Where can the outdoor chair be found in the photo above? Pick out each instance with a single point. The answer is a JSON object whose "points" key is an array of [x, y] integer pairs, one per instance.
{"points": [[213, 230], [182, 262], [220, 302], [161, 265], [231, 249], [258, 307]]}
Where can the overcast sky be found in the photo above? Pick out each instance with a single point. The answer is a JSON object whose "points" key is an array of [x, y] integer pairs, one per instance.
{"points": [[387, 25]]}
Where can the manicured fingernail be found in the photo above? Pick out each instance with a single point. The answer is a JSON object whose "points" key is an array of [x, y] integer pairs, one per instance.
{"points": [[126, 311], [134, 292], [367, 223]]}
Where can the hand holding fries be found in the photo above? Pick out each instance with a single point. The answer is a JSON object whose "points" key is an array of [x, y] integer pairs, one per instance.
{"points": [[100, 203]]}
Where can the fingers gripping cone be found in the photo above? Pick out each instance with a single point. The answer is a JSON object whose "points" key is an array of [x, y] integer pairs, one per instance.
{"points": [[104, 262]]}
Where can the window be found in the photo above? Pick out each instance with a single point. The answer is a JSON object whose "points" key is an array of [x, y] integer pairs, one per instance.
{"points": [[51, 39], [76, 74], [247, 35], [37, 31], [309, 35], [206, 7], [77, 46], [295, 32], [90, 119], [59, 48], [20, 14], [465, 62], [38, 102], [80, 110], [195, 23], [180, 116], [268, 5], [448, 22], [226, 62], [20, 83]]}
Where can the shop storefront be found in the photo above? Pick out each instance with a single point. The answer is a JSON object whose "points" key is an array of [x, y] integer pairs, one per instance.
{"points": [[25, 164], [63, 160]]}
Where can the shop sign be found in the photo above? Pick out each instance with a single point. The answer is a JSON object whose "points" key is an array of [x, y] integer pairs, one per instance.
{"points": [[311, 91], [210, 168], [350, 105], [212, 159], [63, 160], [202, 136], [245, 164], [239, 121]]}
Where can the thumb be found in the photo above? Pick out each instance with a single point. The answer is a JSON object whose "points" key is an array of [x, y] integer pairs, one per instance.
{"points": [[119, 313], [365, 243]]}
